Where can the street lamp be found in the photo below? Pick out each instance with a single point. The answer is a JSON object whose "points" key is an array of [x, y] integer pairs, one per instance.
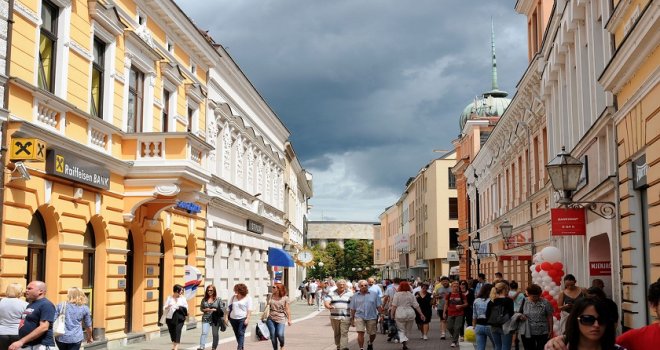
{"points": [[460, 250], [476, 245], [565, 171], [507, 231]]}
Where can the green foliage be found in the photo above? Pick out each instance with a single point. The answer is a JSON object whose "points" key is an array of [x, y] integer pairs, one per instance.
{"points": [[353, 262]]}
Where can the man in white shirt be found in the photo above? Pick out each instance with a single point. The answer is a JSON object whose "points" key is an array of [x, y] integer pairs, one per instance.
{"points": [[340, 316]]}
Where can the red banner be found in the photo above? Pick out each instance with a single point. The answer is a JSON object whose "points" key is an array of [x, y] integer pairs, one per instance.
{"points": [[515, 258], [600, 268], [568, 221]]}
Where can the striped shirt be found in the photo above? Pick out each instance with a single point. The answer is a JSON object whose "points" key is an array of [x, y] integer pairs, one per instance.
{"points": [[340, 304]]}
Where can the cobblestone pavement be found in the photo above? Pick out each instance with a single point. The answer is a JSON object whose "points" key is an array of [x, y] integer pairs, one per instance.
{"points": [[310, 330]]}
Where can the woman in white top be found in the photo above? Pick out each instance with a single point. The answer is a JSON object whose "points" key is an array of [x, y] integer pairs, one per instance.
{"points": [[11, 309], [176, 312], [404, 306], [240, 308]]}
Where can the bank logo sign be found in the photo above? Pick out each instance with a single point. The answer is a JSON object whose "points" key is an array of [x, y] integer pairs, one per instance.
{"points": [[74, 168]]}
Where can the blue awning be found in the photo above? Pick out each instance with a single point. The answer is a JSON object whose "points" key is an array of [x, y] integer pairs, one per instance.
{"points": [[279, 257]]}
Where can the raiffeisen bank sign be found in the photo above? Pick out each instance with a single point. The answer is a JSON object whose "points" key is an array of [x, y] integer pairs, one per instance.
{"points": [[74, 168]]}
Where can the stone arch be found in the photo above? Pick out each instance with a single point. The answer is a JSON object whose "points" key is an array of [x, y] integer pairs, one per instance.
{"points": [[99, 306]]}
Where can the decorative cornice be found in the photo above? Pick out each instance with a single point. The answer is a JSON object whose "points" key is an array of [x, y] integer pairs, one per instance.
{"points": [[18, 241], [117, 251], [83, 52], [72, 246], [27, 13]]}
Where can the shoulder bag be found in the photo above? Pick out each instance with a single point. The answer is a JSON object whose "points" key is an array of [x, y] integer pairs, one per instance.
{"points": [[59, 326], [266, 313]]}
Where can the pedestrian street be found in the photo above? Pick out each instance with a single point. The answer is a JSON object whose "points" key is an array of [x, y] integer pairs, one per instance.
{"points": [[310, 330]]}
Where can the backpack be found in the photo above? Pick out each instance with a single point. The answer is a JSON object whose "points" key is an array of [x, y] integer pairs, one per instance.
{"points": [[498, 315]]}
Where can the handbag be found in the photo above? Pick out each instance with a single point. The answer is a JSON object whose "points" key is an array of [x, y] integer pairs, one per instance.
{"points": [[59, 326], [266, 313]]}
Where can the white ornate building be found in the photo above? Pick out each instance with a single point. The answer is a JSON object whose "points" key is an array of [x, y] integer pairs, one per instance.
{"points": [[246, 213]]}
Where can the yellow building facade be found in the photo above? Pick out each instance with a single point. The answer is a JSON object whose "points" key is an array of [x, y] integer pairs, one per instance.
{"points": [[106, 156], [632, 75]]}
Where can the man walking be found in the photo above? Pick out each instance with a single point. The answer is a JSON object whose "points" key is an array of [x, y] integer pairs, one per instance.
{"points": [[312, 287], [340, 317], [439, 295], [35, 330], [365, 307], [373, 287]]}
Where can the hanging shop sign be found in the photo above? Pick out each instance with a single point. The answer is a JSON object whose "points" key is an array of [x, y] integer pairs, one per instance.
{"points": [[191, 208], [600, 268], [515, 258], [27, 149], [640, 169], [69, 166], [255, 227], [568, 221]]}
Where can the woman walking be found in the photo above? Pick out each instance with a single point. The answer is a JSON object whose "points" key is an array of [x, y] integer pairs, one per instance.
{"points": [[78, 317], [500, 305], [404, 306], [479, 320], [467, 312], [537, 312], [240, 308], [279, 315], [569, 296], [425, 301], [176, 312], [11, 310], [210, 304], [455, 303]]}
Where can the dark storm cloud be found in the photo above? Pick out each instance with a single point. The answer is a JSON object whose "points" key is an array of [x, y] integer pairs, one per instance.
{"points": [[367, 88]]}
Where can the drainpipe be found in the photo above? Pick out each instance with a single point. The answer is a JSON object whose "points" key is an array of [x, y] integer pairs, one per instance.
{"points": [[5, 98]]}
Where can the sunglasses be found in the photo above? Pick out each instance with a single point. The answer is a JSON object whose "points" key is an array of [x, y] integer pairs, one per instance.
{"points": [[589, 320]]}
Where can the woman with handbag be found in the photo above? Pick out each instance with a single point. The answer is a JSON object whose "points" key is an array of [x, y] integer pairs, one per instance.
{"points": [[176, 312], [77, 317], [277, 314], [404, 306], [240, 308], [210, 305]]}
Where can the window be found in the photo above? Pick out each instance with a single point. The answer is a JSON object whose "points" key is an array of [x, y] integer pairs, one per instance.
{"points": [[88, 257], [453, 238], [170, 47], [166, 111], [98, 67], [453, 208], [452, 179], [36, 255], [47, 45], [191, 117], [193, 68], [135, 94]]}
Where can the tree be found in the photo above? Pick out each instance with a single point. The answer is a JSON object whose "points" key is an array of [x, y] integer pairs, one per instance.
{"points": [[352, 262]]}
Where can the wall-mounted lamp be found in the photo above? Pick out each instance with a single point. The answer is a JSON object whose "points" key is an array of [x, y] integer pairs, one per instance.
{"points": [[476, 245], [565, 171], [507, 230]]}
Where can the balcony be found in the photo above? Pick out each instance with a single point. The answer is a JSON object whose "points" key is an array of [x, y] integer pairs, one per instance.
{"points": [[167, 154]]}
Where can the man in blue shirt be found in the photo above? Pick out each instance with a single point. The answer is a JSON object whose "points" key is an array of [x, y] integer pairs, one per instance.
{"points": [[365, 307], [36, 327]]}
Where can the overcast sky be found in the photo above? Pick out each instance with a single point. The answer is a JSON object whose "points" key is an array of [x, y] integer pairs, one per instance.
{"points": [[368, 88]]}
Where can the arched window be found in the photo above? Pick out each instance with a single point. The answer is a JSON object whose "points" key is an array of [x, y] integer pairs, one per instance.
{"points": [[88, 257], [36, 257]]}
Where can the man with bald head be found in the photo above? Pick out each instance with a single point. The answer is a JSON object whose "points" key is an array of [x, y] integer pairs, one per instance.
{"points": [[374, 288], [36, 327]]}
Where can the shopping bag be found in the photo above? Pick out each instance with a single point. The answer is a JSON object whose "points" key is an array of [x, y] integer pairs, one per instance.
{"points": [[470, 335], [262, 331]]}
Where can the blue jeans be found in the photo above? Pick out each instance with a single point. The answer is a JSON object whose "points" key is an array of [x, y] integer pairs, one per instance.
{"points": [[276, 332], [483, 334], [206, 326], [239, 331], [502, 340]]}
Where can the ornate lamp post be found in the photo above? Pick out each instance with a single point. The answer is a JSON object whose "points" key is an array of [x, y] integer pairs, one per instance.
{"points": [[507, 231]]}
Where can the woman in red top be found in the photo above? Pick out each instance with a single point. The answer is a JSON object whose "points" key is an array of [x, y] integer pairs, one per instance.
{"points": [[455, 303]]}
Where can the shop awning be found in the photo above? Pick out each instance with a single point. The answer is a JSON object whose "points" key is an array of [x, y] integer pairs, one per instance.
{"points": [[279, 257]]}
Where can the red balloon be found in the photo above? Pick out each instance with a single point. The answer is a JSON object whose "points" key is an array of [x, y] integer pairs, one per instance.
{"points": [[546, 266], [557, 266], [538, 268], [553, 273]]}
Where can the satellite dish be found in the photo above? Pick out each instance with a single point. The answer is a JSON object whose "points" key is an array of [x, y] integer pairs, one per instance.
{"points": [[193, 279]]}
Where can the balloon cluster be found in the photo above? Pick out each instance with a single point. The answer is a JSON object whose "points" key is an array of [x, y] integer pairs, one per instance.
{"points": [[547, 272]]}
